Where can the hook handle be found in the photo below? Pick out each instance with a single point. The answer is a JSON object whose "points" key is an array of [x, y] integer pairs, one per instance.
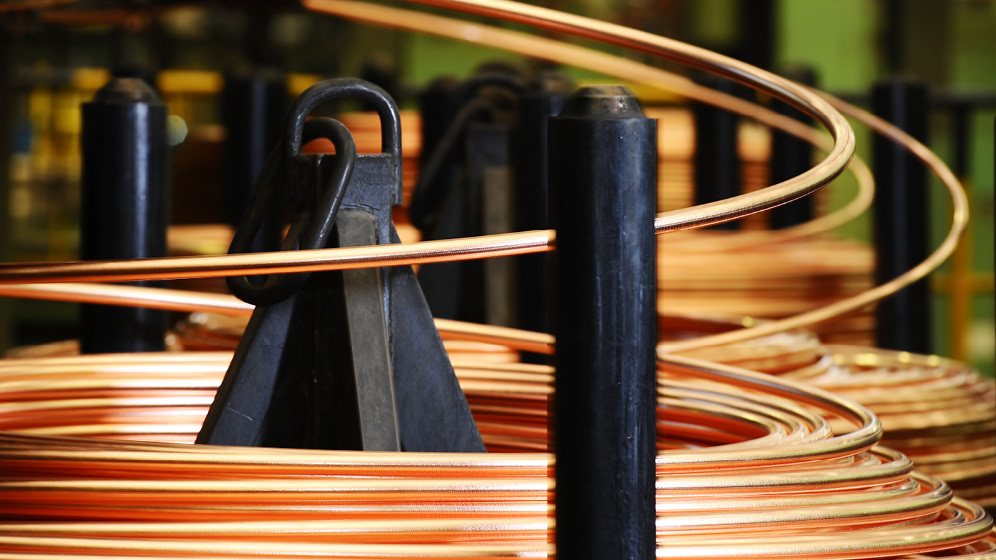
{"points": [[315, 234], [311, 98]]}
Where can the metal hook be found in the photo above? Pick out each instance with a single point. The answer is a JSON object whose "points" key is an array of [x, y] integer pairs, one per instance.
{"points": [[315, 234], [311, 98]]}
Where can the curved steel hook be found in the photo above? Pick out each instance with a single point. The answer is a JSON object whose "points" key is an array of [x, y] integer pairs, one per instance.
{"points": [[311, 98], [310, 234]]}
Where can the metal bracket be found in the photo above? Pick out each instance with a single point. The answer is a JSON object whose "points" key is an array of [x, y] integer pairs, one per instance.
{"points": [[340, 360]]}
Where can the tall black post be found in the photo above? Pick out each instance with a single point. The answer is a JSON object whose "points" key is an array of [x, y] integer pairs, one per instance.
{"points": [[603, 172], [716, 161], [532, 196], [253, 108], [791, 156], [124, 205], [901, 219]]}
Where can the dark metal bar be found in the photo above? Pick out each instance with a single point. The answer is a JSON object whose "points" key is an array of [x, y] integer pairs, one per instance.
{"points": [[253, 107], [717, 163], [531, 168], [603, 180], [901, 218], [791, 156], [124, 205]]}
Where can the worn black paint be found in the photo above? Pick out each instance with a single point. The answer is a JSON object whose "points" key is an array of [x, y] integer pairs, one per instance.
{"points": [[603, 179]]}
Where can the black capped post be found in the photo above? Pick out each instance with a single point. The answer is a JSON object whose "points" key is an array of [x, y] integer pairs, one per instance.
{"points": [[603, 162], [901, 221], [124, 205]]}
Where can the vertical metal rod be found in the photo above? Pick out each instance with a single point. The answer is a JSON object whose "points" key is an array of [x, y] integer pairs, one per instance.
{"points": [[716, 161], [531, 168], [903, 321], [791, 156], [603, 172], [124, 205], [253, 107]]}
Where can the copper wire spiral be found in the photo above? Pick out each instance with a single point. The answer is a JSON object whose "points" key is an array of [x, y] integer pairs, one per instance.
{"points": [[749, 466], [740, 453]]}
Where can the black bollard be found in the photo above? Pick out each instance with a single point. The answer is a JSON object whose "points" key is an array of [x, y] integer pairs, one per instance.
{"points": [[124, 205], [791, 156], [716, 161], [901, 220], [253, 108], [531, 167], [603, 162]]}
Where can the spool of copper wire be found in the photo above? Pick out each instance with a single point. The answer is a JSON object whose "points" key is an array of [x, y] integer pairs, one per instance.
{"points": [[740, 454], [748, 466]]}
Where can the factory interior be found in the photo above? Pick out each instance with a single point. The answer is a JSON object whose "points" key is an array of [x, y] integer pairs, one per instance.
{"points": [[366, 279]]}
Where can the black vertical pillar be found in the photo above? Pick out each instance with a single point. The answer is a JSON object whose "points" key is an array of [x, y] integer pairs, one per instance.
{"points": [[532, 198], [716, 161], [603, 172], [253, 107], [791, 156], [437, 105], [124, 205], [903, 321]]}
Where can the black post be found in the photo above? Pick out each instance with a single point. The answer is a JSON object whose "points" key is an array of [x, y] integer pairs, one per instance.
{"points": [[603, 162], [531, 168], [791, 156], [124, 205], [717, 163], [901, 219], [253, 108]]}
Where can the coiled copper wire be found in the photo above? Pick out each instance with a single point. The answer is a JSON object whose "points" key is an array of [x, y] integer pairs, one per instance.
{"points": [[740, 435], [740, 454]]}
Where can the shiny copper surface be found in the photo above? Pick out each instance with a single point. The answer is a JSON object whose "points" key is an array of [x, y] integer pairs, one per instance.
{"points": [[741, 454], [749, 466]]}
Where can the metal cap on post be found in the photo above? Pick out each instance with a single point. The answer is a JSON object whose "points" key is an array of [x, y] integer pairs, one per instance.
{"points": [[124, 205], [901, 220], [603, 183]]}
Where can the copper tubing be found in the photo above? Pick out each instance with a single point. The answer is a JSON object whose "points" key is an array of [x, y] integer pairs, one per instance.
{"points": [[774, 471], [782, 446]]}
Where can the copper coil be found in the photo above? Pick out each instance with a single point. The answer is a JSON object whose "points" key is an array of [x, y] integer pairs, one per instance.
{"points": [[768, 279], [741, 454], [916, 526], [939, 412]]}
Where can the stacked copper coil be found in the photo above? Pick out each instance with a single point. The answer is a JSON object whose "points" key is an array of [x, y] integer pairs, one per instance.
{"points": [[770, 278], [734, 439], [939, 412], [740, 454]]}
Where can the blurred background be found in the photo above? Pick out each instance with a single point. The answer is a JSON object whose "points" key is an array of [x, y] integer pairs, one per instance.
{"points": [[55, 54]]}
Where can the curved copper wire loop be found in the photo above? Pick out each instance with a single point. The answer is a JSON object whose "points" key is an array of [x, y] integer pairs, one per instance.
{"points": [[826, 496], [466, 248], [511, 244], [840, 498]]}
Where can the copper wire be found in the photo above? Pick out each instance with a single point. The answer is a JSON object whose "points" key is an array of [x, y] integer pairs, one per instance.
{"points": [[742, 456], [746, 442]]}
